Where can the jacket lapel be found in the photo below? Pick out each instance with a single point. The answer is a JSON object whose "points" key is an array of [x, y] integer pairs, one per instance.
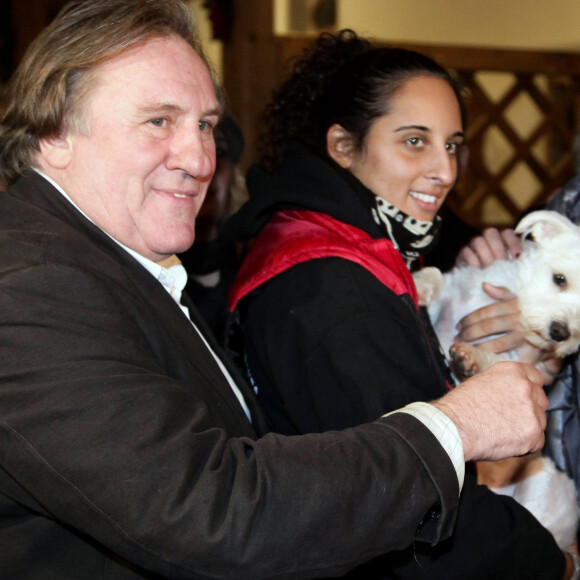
{"points": [[182, 339], [259, 421]]}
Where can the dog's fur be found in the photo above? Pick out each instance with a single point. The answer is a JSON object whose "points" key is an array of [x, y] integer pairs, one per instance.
{"points": [[535, 482], [546, 280]]}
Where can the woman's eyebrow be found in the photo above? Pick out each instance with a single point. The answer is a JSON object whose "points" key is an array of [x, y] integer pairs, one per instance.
{"points": [[415, 127], [425, 130]]}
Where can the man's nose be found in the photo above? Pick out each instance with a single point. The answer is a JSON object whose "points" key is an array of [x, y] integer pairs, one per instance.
{"points": [[193, 152]]}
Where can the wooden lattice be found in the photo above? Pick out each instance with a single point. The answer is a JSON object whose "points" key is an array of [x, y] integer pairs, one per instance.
{"points": [[536, 162]]}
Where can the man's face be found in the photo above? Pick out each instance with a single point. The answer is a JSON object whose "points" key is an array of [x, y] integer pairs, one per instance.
{"points": [[142, 172]]}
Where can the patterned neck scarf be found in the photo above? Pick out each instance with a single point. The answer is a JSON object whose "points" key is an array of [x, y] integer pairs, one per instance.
{"points": [[412, 237]]}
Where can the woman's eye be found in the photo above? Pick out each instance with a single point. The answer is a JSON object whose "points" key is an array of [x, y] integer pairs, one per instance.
{"points": [[415, 141], [453, 148], [559, 280]]}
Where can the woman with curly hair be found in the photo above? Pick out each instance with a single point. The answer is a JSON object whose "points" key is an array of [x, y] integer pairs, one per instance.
{"points": [[362, 147]]}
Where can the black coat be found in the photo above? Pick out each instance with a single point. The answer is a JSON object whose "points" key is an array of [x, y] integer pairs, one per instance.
{"points": [[125, 454], [328, 346]]}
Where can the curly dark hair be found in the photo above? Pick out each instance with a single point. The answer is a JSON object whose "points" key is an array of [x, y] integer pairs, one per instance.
{"points": [[341, 78]]}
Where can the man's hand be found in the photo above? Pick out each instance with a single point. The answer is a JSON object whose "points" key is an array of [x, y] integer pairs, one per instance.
{"points": [[492, 245], [499, 413]]}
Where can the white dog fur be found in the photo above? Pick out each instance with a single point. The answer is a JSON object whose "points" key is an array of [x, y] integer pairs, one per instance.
{"points": [[546, 280]]}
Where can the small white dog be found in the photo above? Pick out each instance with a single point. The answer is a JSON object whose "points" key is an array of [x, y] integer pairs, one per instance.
{"points": [[546, 280]]}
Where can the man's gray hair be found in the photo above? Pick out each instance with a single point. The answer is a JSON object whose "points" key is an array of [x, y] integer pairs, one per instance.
{"points": [[47, 93]]}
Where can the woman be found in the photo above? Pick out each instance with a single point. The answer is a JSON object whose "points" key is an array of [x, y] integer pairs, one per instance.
{"points": [[361, 150]]}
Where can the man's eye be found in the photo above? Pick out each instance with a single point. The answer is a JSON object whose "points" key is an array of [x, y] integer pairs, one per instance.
{"points": [[160, 122], [206, 126]]}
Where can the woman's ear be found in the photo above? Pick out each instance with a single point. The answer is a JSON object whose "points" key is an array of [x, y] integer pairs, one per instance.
{"points": [[56, 152], [340, 145]]}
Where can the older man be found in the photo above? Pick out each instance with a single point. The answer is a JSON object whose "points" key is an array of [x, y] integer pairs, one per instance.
{"points": [[126, 449]]}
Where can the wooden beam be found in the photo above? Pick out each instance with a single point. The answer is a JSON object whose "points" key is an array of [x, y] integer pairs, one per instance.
{"points": [[250, 61]]}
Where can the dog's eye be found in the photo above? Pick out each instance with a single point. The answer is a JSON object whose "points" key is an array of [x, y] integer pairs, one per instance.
{"points": [[559, 280]]}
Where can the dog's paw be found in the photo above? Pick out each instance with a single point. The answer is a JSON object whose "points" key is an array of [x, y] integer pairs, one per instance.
{"points": [[464, 362], [428, 282]]}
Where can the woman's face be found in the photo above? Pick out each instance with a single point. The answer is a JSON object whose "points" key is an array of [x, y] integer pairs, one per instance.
{"points": [[409, 157]]}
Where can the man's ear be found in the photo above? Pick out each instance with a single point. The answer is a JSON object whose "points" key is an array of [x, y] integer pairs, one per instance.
{"points": [[56, 152], [340, 145]]}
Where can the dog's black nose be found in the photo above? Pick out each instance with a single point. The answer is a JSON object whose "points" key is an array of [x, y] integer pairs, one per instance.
{"points": [[559, 331]]}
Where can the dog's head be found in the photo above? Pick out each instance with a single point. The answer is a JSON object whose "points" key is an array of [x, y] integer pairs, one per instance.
{"points": [[549, 273]]}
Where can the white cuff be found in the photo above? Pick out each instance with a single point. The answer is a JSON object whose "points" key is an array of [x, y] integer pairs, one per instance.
{"points": [[443, 429]]}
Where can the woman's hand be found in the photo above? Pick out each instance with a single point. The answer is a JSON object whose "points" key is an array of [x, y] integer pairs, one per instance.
{"points": [[492, 245], [503, 317]]}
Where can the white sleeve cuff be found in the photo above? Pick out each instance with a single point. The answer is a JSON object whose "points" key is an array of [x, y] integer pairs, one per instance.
{"points": [[443, 429]]}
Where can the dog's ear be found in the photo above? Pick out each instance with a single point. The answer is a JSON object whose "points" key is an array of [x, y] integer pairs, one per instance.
{"points": [[543, 225]]}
